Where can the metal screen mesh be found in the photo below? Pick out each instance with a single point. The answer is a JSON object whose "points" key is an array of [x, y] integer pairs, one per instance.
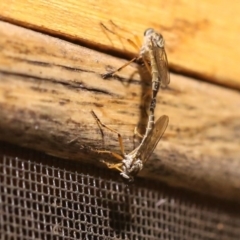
{"points": [[42, 197]]}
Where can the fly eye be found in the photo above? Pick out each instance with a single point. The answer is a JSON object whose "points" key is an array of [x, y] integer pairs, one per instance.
{"points": [[148, 31]]}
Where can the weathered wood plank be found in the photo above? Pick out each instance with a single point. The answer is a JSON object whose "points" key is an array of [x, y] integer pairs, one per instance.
{"points": [[49, 86], [201, 37]]}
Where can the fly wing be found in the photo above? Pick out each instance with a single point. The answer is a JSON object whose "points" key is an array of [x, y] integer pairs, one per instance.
{"points": [[154, 136], [160, 57]]}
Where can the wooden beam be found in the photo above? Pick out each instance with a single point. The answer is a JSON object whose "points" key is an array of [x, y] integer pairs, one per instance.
{"points": [[201, 38], [49, 86]]}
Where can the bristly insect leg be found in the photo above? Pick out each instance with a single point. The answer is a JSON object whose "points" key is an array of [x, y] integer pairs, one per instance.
{"points": [[117, 166], [100, 124], [110, 74], [136, 44], [117, 156]]}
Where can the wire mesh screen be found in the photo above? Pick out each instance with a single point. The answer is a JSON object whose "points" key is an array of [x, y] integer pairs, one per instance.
{"points": [[48, 198]]}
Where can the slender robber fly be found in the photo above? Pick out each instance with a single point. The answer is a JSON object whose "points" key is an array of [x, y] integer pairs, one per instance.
{"points": [[152, 52], [133, 162]]}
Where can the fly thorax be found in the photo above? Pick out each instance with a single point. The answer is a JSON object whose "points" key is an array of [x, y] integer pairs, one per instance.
{"points": [[159, 40], [131, 167], [146, 46], [137, 166], [144, 51], [127, 162]]}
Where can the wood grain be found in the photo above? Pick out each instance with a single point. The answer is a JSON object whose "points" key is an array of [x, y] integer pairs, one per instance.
{"points": [[201, 37], [49, 86]]}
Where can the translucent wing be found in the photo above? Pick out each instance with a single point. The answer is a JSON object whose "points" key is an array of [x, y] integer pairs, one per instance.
{"points": [[160, 57], [154, 136]]}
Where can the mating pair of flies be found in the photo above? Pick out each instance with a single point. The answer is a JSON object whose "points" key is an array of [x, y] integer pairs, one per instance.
{"points": [[153, 54]]}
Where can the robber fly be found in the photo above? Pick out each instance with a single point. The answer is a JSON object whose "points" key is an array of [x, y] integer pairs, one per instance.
{"points": [[152, 52], [133, 162]]}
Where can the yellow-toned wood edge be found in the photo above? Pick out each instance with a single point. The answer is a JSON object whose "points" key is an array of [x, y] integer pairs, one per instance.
{"points": [[201, 37], [48, 88]]}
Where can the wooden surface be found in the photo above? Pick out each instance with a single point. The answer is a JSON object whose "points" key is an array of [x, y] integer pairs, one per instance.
{"points": [[201, 37], [49, 86]]}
